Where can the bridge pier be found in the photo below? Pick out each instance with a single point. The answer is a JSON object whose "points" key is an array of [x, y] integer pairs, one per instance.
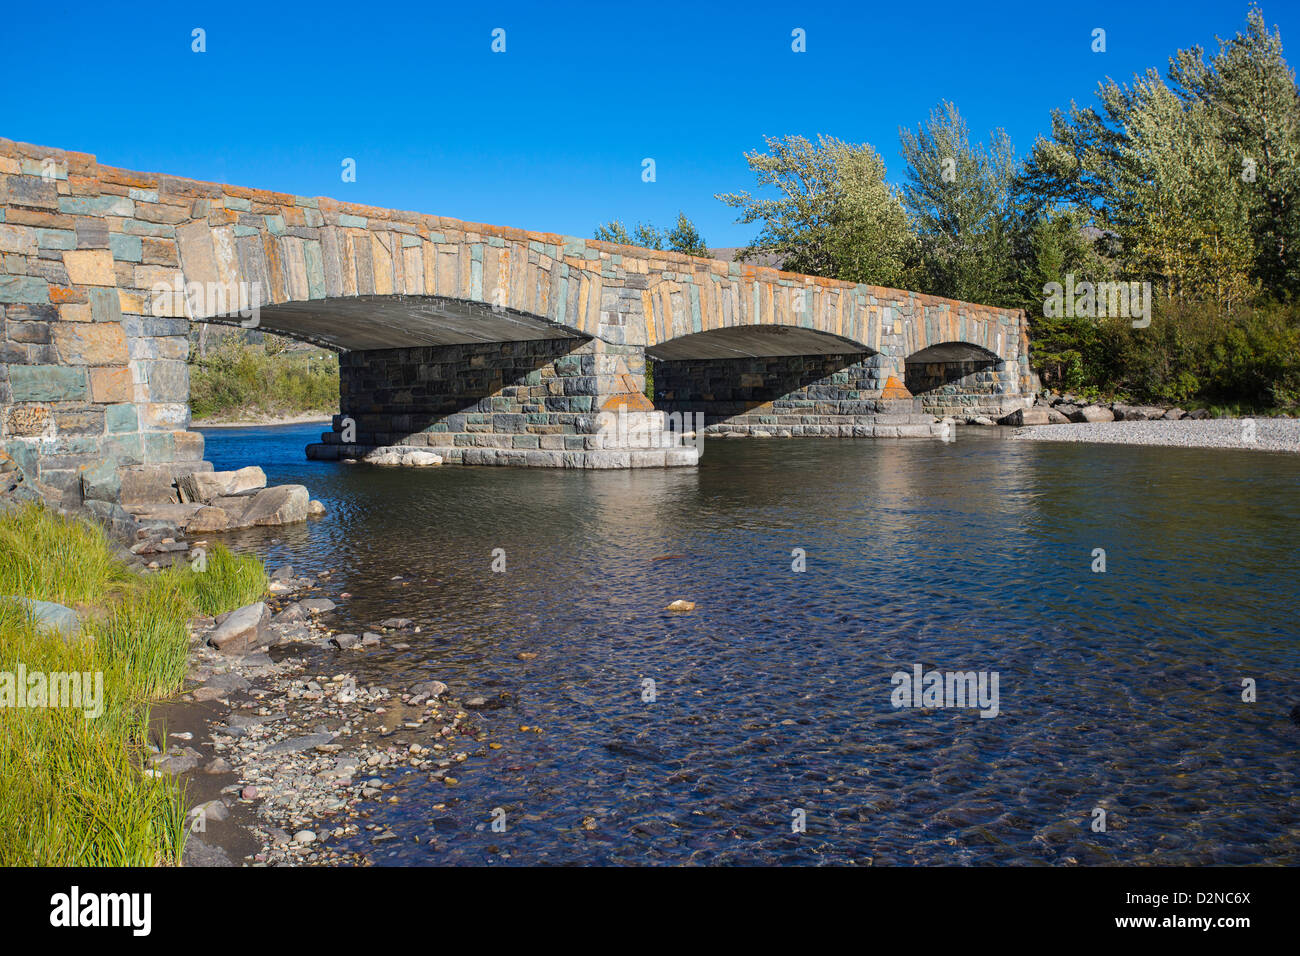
{"points": [[842, 395], [539, 402]]}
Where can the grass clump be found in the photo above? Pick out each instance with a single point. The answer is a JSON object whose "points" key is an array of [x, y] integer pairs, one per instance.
{"points": [[72, 791]]}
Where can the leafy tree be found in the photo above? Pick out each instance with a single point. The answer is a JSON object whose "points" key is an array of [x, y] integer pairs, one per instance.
{"points": [[1194, 174], [643, 236], [835, 215], [960, 201], [685, 238], [1251, 96]]}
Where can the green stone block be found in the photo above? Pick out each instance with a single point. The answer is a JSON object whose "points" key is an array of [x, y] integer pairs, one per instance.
{"points": [[125, 449], [159, 447], [356, 222], [47, 383], [121, 418], [125, 248], [25, 289], [315, 270], [56, 239], [97, 206]]}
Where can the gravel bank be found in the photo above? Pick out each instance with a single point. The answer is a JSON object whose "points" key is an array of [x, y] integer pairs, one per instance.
{"points": [[1270, 434]]}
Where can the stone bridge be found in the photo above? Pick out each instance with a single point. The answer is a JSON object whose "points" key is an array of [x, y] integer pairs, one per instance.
{"points": [[485, 344]]}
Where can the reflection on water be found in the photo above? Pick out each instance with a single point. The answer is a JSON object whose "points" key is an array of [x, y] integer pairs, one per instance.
{"points": [[1119, 690]]}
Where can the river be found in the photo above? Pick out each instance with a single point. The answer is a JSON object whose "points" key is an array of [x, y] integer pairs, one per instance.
{"points": [[772, 703]]}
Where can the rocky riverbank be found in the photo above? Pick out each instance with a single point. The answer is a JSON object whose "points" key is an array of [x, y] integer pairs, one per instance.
{"points": [[285, 750], [1265, 434]]}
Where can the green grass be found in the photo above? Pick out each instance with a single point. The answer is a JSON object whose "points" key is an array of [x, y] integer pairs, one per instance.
{"points": [[72, 792], [237, 380]]}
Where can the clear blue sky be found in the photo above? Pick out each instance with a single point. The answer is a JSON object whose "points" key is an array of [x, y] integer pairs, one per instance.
{"points": [[550, 135]]}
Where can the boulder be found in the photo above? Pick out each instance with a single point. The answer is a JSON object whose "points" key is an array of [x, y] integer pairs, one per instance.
{"points": [[1056, 417], [1174, 414], [234, 507], [421, 459], [155, 483], [294, 612], [1199, 414], [207, 519], [50, 616], [1036, 415], [1093, 413], [243, 630], [207, 485], [315, 509], [283, 504]]}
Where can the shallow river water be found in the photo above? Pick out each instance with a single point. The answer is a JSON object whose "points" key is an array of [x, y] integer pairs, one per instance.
{"points": [[1119, 691]]}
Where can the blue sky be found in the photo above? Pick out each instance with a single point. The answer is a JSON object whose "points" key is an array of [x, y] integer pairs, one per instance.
{"points": [[551, 134]]}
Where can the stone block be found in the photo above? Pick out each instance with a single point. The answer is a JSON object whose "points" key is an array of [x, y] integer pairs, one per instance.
{"points": [[94, 343], [90, 267], [120, 417], [283, 504], [47, 383]]}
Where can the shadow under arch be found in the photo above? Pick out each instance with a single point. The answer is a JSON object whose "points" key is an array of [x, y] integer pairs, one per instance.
{"points": [[956, 378], [771, 379]]}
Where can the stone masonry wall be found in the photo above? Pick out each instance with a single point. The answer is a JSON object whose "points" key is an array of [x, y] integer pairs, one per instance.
{"points": [[962, 389], [846, 395], [529, 403]]}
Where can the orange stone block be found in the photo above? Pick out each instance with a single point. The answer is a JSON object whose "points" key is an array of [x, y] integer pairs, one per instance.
{"points": [[110, 385], [894, 389], [631, 401]]}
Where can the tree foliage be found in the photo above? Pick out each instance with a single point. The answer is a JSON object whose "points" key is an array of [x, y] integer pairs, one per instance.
{"points": [[835, 215]]}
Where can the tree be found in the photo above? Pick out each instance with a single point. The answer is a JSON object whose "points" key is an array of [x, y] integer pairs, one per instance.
{"points": [[960, 201], [835, 216], [685, 238], [1196, 174], [1251, 95]]}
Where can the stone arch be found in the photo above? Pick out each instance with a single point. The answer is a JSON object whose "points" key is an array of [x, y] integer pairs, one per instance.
{"points": [[961, 379]]}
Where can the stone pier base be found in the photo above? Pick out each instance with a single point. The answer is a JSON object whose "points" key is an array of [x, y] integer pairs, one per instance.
{"points": [[542, 403]]}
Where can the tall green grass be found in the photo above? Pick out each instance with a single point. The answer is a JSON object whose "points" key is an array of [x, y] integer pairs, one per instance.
{"points": [[72, 789]]}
